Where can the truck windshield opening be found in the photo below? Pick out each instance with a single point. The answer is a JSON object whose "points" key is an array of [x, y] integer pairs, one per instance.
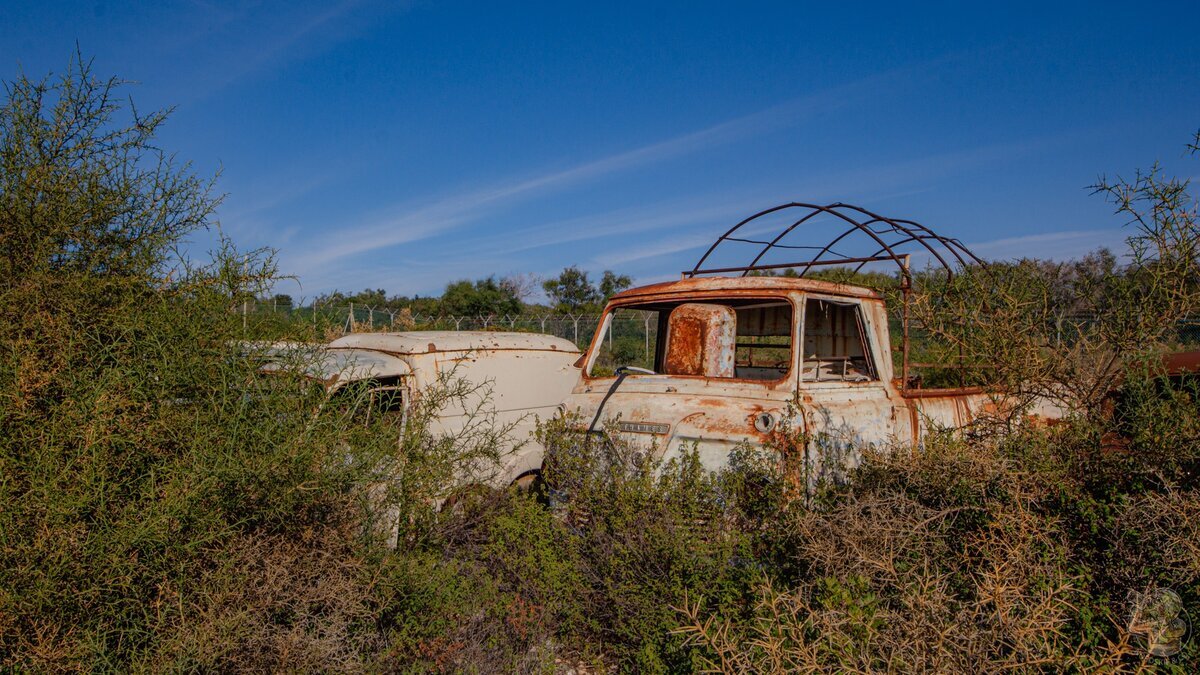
{"points": [[732, 339]]}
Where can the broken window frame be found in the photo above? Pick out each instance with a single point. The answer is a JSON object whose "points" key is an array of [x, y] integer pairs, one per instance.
{"points": [[661, 307], [373, 390], [871, 348], [399, 392]]}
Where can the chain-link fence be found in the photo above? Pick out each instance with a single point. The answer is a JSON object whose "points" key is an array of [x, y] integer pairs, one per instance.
{"points": [[1070, 327], [578, 328], [632, 327]]}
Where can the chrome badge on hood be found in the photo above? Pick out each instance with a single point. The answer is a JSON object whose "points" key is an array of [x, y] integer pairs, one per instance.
{"points": [[644, 427]]}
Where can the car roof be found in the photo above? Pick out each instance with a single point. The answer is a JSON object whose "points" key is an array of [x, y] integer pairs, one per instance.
{"points": [[746, 286], [421, 342]]}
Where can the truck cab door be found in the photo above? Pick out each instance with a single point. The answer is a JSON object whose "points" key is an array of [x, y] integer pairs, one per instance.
{"points": [[844, 384]]}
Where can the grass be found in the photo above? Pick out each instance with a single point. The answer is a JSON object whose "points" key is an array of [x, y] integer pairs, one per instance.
{"points": [[164, 507]]}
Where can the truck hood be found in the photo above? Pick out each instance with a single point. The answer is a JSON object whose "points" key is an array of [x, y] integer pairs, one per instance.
{"points": [[663, 417]]}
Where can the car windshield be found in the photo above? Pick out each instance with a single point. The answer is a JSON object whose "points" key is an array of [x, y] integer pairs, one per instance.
{"points": [[745, 339]]}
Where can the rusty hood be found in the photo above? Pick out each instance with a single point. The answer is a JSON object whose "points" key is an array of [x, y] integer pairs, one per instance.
{"points": [[663, 412]]}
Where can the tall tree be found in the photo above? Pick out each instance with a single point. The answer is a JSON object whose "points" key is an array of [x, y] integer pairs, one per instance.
{"points": [[522, 286], [483, 297], [80, 192], [572, 291], [612, 283], [371, 297]]}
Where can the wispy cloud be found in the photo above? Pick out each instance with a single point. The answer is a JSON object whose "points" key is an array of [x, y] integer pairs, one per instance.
{"points": [[415, 223], [861, 186], [1063, 245], [252, 200], [250, 38], [640, 220], [272, 49], [661, 248]]}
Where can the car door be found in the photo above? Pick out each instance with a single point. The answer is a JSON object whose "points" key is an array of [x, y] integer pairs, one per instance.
{"points": [[844, 385]]}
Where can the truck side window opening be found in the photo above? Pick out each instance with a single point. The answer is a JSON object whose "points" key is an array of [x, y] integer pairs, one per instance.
{"points": [[757, 334], [630, 340], [836, 348], [388, 401], [764, 341], [373, 399]]}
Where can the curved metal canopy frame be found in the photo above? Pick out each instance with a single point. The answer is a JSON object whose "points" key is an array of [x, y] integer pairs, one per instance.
{"points": [[889, 238]]}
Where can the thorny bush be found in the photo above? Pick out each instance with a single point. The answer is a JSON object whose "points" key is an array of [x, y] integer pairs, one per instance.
{"points": [[1067, 332], [164, 506]]}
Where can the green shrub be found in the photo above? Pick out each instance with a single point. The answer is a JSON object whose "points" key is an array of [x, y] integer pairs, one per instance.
{"points": [[166, 506]]}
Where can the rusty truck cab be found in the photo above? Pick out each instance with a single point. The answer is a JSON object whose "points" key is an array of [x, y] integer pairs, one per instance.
{"points": [[715, 362], [724, 355]]}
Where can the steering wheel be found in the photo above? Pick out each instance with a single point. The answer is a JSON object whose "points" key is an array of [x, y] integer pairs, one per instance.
{"points": [[633, 369]]}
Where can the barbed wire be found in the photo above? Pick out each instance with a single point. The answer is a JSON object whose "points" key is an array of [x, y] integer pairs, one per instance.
{"points": [[577, 327]]}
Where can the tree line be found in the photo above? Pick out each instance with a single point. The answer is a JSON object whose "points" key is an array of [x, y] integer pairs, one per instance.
{"points": [[573, 291], [166, 506]]}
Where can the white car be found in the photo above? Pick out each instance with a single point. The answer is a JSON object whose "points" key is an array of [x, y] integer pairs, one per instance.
{"points": [[526, 377]]}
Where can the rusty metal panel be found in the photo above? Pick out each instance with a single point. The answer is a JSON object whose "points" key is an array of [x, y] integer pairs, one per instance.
{"points": [[1181, 363], [701, 340], [771, 320], [739, 286], [690, 405]]}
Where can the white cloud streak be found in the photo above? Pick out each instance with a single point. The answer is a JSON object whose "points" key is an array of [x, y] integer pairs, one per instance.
{"points": [[1063, 245], [419, 223], [638, 220], [865, 184], [276, 38]]}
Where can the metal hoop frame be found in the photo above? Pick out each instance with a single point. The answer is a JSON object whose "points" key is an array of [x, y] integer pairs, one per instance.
{"points": [[889, 235]]}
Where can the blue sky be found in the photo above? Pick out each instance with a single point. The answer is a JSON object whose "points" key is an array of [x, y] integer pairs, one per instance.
{"points": [[403, 145]]}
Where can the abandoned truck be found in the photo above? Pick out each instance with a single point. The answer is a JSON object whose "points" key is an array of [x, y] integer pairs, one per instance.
{"points": [[521, 377], [730, 352]]}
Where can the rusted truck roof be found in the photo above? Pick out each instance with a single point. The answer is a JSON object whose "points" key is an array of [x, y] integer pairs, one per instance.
{"points": [[420, 342], [746, 285]]}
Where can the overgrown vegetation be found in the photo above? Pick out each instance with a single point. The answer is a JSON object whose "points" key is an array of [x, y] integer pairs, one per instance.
{"points": [[165, 507], [571, 292]]}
